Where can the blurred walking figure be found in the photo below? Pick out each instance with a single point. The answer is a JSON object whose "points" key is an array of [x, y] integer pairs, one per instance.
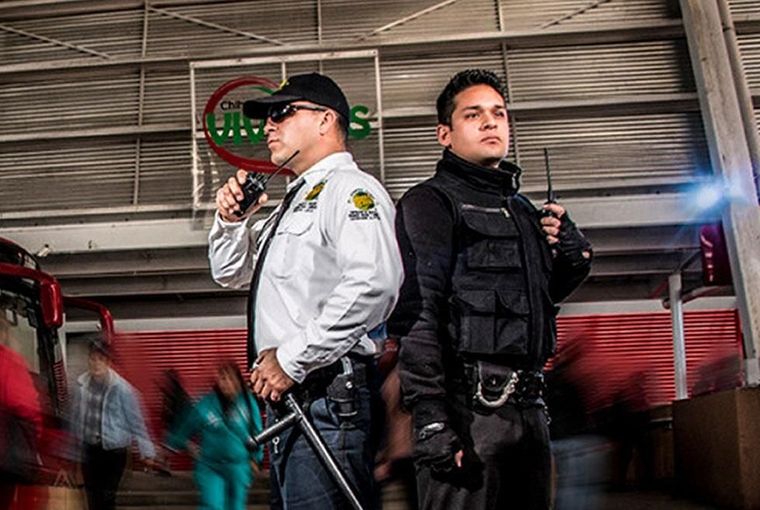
{"points": [[107, 418], [579, 451], [225, 420], [20, 419], [175, 401]]}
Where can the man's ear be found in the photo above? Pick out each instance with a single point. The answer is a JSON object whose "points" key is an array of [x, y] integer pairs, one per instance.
{"points": [[443, 132], [328, 119]]}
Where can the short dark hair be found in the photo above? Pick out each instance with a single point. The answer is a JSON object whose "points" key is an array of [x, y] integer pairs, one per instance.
{"points": [[99, 345], [460, 81], [342, 126]]}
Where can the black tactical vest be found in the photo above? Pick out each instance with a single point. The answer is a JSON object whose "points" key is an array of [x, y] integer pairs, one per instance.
{"points": [[499, 306]]}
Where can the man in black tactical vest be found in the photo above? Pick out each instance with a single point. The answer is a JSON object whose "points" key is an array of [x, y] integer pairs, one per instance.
{"points": [[476, 316]]}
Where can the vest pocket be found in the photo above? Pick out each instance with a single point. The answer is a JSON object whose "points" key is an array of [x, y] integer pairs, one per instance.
{"points": [[492, 242], [476, 310], [512, 323], [493, 254], [492, 321]]}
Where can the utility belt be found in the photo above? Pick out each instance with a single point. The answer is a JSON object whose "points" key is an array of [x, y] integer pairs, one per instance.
{"points": [[339, 382], [491, 386]]}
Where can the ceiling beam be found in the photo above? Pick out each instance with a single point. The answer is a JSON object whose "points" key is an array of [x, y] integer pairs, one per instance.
{"points": [[667, 209], [635, 32]]}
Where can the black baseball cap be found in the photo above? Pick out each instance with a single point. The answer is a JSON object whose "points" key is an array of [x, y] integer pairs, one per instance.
{"points": [[314, 87]]}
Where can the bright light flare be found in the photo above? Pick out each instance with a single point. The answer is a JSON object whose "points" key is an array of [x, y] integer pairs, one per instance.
{"points": [[709, 195]]}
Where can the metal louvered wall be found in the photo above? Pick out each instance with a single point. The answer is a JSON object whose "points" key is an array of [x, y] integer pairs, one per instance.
{"points": [[626, 345], [96, 98], [636, 351], [144, 357]]}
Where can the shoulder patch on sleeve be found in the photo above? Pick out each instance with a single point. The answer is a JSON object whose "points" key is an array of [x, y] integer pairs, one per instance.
{"points": [[362, 206]]}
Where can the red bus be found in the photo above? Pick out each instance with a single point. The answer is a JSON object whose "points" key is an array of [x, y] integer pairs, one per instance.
{"points": [[32, 309]]}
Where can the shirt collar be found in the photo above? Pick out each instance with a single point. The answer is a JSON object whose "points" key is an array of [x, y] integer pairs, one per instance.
{"points": [[504, 180], [319, 170]]}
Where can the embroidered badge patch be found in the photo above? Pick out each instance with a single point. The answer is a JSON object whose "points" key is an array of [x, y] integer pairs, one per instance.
{"points": [[364, 204], [363, 200], [309, 203], [315, 191]]}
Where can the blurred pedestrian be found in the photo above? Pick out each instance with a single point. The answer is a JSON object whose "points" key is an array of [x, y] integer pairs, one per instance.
{"points": [[107, 418], [20, 419], [225, 420], [579, 451], [175, 400]]}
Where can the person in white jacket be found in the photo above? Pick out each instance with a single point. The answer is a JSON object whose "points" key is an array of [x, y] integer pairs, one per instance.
{"points": [[324, 272]]}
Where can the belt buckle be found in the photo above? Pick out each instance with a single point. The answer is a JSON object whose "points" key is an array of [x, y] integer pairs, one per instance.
{"points": [[508, 390]]}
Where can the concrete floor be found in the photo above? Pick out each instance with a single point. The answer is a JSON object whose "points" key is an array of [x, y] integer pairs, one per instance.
{"points": [[649, 500], [141, 491]]}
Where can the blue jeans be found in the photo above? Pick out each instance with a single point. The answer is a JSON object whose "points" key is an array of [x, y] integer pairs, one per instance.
{"points": [[298, 478]]}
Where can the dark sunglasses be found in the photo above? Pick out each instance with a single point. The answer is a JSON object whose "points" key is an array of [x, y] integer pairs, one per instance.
{"points": [[278, 113]]}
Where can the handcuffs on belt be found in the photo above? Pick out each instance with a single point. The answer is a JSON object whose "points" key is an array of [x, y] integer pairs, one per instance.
{"points": [[508, 390]]}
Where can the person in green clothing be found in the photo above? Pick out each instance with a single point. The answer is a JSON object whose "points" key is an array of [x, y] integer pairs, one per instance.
{"points": [[224, 420]]}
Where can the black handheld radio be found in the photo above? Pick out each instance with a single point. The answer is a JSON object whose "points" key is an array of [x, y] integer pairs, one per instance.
{"points": [[551, 198], [255, 185]]}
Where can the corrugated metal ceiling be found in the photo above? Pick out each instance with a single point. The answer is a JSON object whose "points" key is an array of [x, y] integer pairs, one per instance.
{"points": [[749, 46], [530, 14], [108, 98], [600, 71], [744, 7]]}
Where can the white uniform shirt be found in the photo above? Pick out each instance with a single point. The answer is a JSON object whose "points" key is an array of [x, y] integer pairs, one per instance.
{"points": [[332, 272]]}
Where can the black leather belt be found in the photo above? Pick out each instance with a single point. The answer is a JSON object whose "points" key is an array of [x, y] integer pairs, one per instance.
{"points": [[492, 386], [315, 384]]}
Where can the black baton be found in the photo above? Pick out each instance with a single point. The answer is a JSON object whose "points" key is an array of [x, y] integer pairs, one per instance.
{"points": [[296, 417]]}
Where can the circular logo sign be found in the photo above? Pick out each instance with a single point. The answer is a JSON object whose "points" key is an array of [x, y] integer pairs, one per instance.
{"points": [[235, 125]]}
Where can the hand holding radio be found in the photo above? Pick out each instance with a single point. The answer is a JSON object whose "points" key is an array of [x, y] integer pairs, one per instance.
{"points": [[244, 193], [552, 212], [231, 201]]}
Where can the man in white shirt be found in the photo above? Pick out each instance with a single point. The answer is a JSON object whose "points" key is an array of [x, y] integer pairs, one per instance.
{"points": [[324, 271]]}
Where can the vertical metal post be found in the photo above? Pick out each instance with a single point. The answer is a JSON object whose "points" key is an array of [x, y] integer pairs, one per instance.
{"points": [[379, 100], [195, 162], [319, 22], [742, 87], [500, 14], [679, 339], [141, 104], [510, 99], [730, 159], [508, 85]]}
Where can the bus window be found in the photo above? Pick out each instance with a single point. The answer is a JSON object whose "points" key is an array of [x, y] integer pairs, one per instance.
{"points": [[17, 333]]}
